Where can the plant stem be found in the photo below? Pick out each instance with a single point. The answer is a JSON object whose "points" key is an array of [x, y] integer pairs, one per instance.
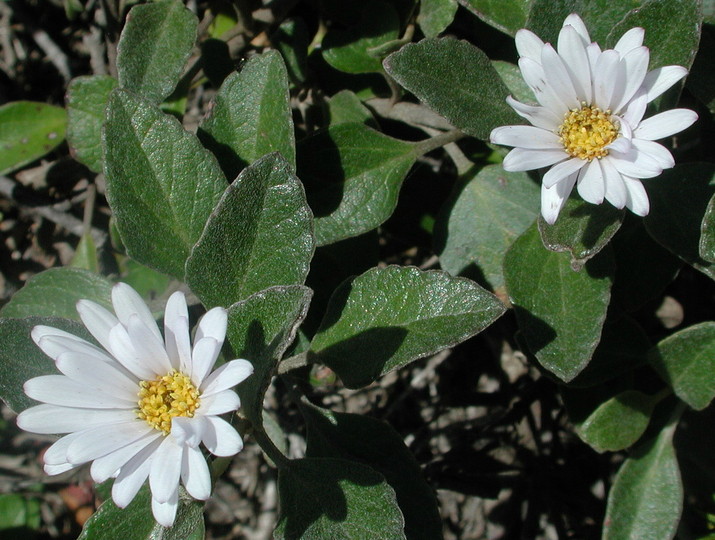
{"points": [[423, 147], [294, 362]]}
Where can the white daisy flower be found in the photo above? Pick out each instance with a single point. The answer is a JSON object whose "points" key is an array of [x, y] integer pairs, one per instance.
{"points": [[140, 407], [589, 126]]}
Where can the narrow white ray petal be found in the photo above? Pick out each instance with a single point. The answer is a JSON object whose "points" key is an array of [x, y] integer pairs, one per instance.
{"points": [[99, 441], [188, 431], [227, 376], [57, 453], [558, 76], [195, 474], [213, 324], [528, 44], [149, 348], [637, 198], [165, 470], [616, 192], [176, 331], [593, 51], [47, 419], [105, 467], [630, 40], [203, 359], [573, 51], [220, 438], [659, 80], [109, 378], [122, 349], [561, 170], [525, 137], [554, 198], [127, 302], [219, 403], [63, 391], [520, 159], [665, 124], [55, 345], [625, 130], [657, 151], [590, 183], [52, 470], [574, 20], [540, 117], [635, 64], [98, 321], [635, 164], [621, 144], [133, 474], [534, 77], [635, 110], [606, 78], [165, 513]]}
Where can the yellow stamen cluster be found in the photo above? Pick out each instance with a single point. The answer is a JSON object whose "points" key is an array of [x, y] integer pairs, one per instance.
{"points": [[587, 131], [165, 398]]}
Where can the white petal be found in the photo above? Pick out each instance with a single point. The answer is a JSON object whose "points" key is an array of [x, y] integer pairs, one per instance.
{"points": [[525, 137], [520, 159], [46, 419], [616, 192], [636, 108], [659, 80], [665, 124], [593, 51], [188, 431], [203, 359], [54, 345], [165, 470], [132, 475], [213, 324], [635, 64], [591, 185], [105, 467], [637, 198], [102, 440], [57, 453], [540, 117], [109, 378], [63, 391], [605, 78], [657, 151], [195, 474], [630, 40], [635, 164], [98, 321], [558, 76], [554, 198], [123, 350], [621, 144], [573, 51], [149, 348], [219, 403], [127, 302], [534, 77], [528, 44], [574, 20], [560, 171], [165, 513], [52, 470], [176, 332], [220, 438], [227, 376]]}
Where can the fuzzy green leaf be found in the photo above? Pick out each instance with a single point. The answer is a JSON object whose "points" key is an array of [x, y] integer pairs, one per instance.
{"points": [[505, 15], [436, 15], [707, 233]]}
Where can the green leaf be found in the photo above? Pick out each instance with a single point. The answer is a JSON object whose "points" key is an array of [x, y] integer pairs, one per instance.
{"points": [[19, 516], [251, 116], [334, 498], [505, 15], [582, 229], [388, 317], [85, 254], [352, 176], [154, 46], [292, 40], [146, 281], [617, 423], [161, 183], [136, 521], [701, 80], [647, 496], [436, 15], [514, 81], [260, 235], [29, 130], [260, 329], [348, 49], [487, 212], [560, 311], [686, 361], [345, 107], [21, 359], [375, 443], [55, 292], [706, 246], [678, 201], [474, 99]]}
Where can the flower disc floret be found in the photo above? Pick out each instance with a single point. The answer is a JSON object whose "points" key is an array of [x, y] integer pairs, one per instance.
{"points": [[586, 132], [167, 397]]}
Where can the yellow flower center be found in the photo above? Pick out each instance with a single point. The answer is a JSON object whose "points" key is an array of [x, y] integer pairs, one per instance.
{"points": [[587, 131], [165, 398]]}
